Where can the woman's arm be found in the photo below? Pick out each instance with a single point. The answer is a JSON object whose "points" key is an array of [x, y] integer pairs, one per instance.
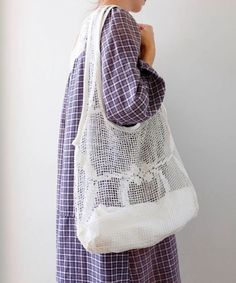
{"points": [[132, 89]]}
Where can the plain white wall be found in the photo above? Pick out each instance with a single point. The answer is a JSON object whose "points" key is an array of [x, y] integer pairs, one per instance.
{"points": [[195, 55]]}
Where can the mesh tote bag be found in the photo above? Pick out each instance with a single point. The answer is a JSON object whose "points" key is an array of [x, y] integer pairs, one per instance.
{"points": [[131, 189]]}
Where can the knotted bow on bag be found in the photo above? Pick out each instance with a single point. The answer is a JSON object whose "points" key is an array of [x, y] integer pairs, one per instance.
{"points": [[131, 189]]}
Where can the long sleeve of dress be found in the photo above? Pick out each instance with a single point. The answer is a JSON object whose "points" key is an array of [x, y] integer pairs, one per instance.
{"points": [[132, 90]]}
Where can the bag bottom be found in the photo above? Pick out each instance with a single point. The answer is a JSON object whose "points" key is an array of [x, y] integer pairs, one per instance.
{"points": [[117, 229]]}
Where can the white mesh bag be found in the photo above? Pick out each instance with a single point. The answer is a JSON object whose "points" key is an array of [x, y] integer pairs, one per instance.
{"points": [[131, 189]]}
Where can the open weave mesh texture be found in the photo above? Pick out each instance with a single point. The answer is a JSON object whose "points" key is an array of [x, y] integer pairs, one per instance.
{"points": [[118, 166]]}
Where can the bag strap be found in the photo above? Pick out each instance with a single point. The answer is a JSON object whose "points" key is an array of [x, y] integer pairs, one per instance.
{"points": [[100, 17], [100, 20]]}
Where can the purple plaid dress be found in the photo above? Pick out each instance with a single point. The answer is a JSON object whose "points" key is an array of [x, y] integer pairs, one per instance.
{"points": [[128, 99]]}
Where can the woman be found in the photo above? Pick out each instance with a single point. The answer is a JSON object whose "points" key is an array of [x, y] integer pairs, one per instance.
{"points": [[128, 100]]}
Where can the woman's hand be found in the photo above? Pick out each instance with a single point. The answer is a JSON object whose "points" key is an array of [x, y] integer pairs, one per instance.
{"points": [[147, 49]]}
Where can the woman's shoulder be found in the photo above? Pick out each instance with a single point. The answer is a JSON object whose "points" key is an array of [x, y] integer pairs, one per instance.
{"points": [[121, 16], [119, 11], [120, 24]]}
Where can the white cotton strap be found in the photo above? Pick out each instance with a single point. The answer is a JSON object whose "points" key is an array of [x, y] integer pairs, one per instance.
{"points": [[104, 10], [93, 43]]}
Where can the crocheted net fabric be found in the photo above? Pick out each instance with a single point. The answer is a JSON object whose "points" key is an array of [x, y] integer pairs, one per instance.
{"points": [[131, 189]]}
